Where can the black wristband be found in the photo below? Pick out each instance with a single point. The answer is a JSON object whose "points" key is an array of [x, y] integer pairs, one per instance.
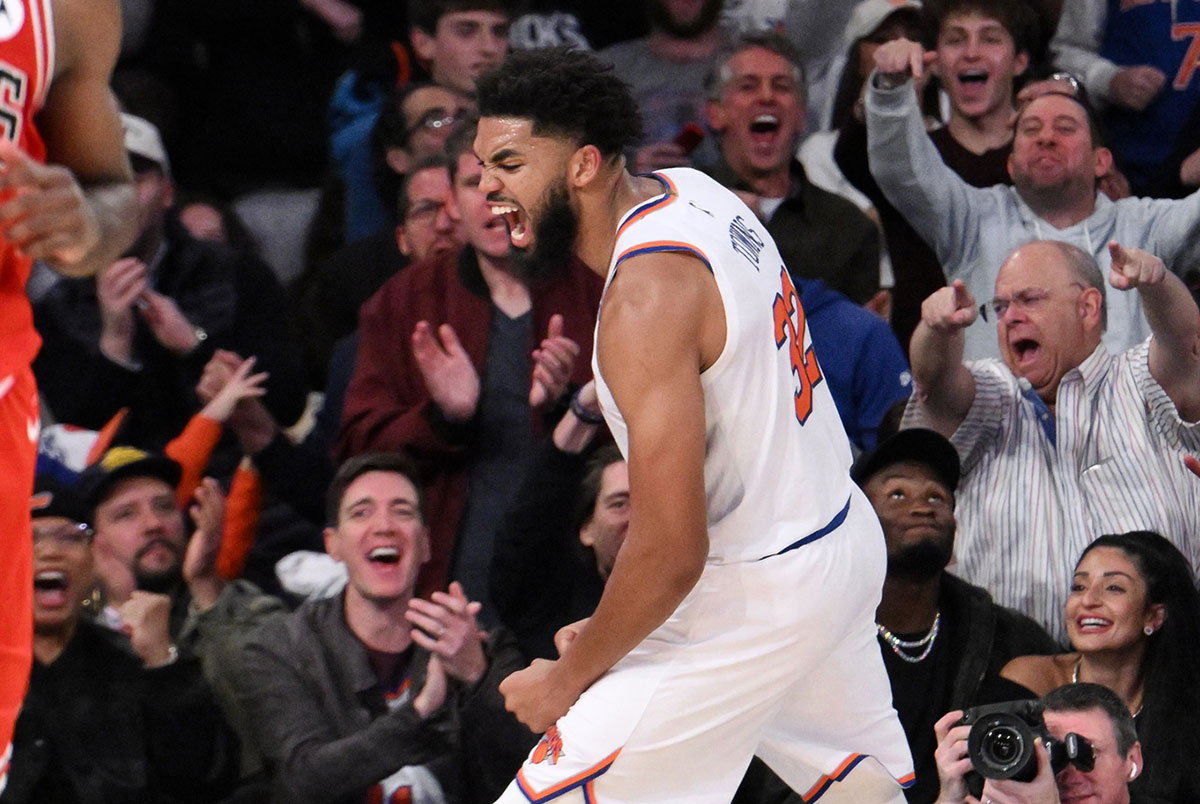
{"points": [[583, 414]]}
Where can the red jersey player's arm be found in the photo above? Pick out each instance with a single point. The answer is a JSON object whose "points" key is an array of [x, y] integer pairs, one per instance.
{"points": [[661, 325], [79, 222]]}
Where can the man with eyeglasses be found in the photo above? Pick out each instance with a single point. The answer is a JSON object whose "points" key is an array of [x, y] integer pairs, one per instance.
{"points": [[1061, 440], [108, 716]]}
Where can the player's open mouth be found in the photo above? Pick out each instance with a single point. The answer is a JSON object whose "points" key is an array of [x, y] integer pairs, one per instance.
{"points": [[518, 224], [50, 588]]}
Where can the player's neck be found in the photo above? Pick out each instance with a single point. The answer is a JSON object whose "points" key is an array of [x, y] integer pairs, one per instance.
{"points": [[378, 625], [908, 606], [602, 212]]}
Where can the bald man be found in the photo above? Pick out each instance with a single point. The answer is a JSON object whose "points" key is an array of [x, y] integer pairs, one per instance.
{"points": [[1061, 440]]}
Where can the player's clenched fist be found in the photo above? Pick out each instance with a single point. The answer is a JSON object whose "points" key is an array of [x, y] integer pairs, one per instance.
{"points": [[534, 696], [1132, 267], [949, 308]]}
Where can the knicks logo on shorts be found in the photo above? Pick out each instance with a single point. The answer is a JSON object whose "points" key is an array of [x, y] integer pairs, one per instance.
{"points": [[549, 749]]}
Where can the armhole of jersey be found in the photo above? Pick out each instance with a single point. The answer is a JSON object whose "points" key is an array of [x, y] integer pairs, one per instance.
{"points": [[43, 33], [662, 245]]}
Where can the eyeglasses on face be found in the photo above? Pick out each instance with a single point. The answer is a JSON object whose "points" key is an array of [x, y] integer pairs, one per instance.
{"points": [[436, 119], [77, 535], [1025, 299]]}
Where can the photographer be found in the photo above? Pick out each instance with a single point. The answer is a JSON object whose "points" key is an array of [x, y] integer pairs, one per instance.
{"points": [[1091, 711]]}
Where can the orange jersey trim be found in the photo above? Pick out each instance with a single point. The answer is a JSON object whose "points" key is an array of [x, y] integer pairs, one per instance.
{"points": [[646, 207], [664, 245], [583, 779], [840, 772]]}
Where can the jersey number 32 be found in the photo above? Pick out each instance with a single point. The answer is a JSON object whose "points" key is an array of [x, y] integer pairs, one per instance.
{"points": [[789, 330]]}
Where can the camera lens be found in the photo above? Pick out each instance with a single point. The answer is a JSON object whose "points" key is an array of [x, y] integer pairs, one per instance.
{"points": [[1001, 745]]}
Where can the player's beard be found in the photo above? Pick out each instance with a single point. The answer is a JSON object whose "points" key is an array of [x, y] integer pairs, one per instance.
{"points": [[553, 238], [921, 561]]}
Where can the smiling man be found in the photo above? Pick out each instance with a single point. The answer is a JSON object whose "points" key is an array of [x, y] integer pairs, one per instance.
{"points": [[756, 107], [1061, 440], [738, 614], [373, 694]]}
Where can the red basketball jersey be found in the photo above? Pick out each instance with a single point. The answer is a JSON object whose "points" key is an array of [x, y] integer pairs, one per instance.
{"points": [[26, 67]]}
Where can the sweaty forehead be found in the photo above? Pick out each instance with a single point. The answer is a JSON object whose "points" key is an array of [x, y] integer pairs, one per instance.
{"points": [[496, 133], [497, 138]]}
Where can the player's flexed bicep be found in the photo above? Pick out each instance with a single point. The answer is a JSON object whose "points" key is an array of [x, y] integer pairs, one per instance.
{"points": [[661, 325]]}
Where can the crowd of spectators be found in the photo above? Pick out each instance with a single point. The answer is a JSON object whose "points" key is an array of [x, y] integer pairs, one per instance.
{"points": [[333, 463]]}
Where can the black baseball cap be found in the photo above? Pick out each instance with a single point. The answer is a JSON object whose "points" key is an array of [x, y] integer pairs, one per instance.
{"points": [[53, 497], [915, 444], [119, 463]]}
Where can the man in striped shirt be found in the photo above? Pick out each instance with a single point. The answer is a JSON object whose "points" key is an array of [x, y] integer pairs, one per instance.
{"points": [[1060, 440]]}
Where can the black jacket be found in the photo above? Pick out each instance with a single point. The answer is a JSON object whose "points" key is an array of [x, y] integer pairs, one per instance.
{"points": [[98, 728], [328, 735]]}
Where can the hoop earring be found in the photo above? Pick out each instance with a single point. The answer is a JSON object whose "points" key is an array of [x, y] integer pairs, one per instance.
{"points": [[1148, 630]]}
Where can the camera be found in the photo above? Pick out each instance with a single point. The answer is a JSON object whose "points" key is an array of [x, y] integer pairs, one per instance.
{"points": [[1003, 737]]}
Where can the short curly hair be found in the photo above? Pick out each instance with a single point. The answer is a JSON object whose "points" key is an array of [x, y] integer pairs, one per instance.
{"points": [[566, 93]]}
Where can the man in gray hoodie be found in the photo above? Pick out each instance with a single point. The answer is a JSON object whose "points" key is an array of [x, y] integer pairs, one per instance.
{"points": [[1056, 161]]}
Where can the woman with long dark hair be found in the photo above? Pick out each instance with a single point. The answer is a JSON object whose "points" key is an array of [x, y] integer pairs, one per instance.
{"points": [[1133, 617]]}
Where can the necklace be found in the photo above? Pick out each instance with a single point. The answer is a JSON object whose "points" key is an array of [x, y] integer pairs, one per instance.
{"points": [[1075, 680], [897, 644]]}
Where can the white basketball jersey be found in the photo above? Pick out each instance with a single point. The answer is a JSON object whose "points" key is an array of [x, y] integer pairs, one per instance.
{"points": [[777, 460]]}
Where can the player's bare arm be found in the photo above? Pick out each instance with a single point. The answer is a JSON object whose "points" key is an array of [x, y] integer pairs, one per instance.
{"points": [[661, 325], [76, 212]]}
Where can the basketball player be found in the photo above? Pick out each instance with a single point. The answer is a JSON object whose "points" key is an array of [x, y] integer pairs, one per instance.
{"points": [[738, 618], [76, 213]]}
